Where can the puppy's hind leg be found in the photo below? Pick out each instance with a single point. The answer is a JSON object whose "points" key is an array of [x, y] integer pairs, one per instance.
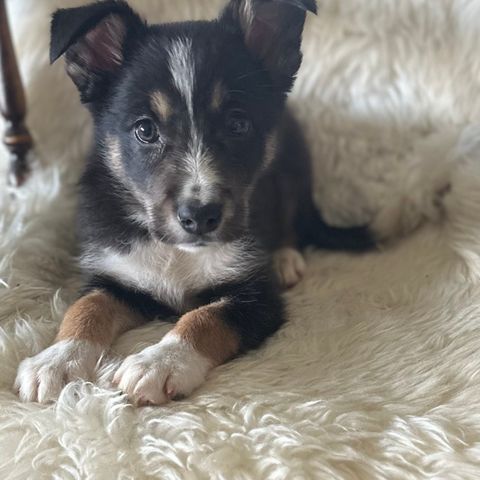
{"points": [[288, 261], [289, 265]]}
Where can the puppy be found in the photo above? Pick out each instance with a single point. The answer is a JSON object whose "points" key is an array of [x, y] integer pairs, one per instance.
{"points": [[196, 199]]}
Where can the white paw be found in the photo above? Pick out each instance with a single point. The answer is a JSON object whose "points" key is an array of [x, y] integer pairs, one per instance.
{"points": [[289, 266], [165, 371], [42, 378]]}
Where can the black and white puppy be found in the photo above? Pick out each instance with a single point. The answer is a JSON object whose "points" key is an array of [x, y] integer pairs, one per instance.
{"points": [[196, 199]]}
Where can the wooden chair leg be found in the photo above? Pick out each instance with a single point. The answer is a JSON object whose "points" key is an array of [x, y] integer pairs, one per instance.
{"points": [[17, 138]]}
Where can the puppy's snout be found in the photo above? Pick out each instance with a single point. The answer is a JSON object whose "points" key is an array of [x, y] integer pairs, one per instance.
{"points": [[199, 219]]}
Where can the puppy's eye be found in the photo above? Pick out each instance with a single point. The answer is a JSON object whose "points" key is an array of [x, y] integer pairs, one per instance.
{"points": [[146, 131], [238, 123]]}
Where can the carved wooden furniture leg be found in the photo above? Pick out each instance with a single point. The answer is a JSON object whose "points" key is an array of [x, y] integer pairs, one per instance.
{"points": [[12, 104]]}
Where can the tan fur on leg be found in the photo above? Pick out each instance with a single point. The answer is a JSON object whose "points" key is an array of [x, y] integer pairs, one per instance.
{"points": [[98, 318], [89, 327], [205, 329]]}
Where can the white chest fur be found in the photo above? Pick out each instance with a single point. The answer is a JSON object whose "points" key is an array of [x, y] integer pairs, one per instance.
{"points": [[172, 275]]}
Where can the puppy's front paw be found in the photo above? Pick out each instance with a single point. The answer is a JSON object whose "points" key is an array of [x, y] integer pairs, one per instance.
{"points": [[289, 266], [42, 378], [162, 372]]}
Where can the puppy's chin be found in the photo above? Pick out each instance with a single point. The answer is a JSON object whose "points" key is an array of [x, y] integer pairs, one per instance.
{"points": [[185, 242], [194, 247]]}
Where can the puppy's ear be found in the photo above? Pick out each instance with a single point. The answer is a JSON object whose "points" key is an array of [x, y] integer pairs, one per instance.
{"points": [[94, 39], [272, 30]]}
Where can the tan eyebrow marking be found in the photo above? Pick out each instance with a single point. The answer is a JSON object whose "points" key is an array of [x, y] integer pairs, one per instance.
{"points": [[161, 105], [218, 96]]}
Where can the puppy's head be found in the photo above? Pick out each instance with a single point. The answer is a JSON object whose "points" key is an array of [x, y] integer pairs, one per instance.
{"points": [[185, 114]]}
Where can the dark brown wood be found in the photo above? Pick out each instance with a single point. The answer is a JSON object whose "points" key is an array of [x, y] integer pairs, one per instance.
{"points": [[17, 138]]}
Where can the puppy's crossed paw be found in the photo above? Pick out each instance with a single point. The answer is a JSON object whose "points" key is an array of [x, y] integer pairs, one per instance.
{"points": [[168, 370], [289, 266], [41, 378]]}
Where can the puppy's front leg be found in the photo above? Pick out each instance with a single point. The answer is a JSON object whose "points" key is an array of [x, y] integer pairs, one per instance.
{"points": [[89, 327], [179, 363], [201, 340]]}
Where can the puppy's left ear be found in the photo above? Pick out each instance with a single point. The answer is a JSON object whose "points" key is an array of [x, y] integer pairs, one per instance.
{"points": [[272, 31], [94, 39]]}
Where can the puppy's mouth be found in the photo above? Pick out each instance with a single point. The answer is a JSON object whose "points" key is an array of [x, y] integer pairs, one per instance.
{"points": [[185, 243]]}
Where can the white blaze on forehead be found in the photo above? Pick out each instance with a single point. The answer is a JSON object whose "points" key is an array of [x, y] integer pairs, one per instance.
{"points": [[182, 67], [198, 165]]}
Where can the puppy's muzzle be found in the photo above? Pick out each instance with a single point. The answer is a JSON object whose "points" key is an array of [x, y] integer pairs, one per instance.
{"points": [[198, 219]]}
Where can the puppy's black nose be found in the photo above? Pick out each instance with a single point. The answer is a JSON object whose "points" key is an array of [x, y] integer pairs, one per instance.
{"points": [[200, 219]]}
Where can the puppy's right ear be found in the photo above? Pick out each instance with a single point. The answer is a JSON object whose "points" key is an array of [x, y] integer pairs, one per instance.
{"points": [[94, 39], [272, 31]]}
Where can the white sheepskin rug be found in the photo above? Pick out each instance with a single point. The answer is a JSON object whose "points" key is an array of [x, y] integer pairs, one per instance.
{"points": [[377, 373]]}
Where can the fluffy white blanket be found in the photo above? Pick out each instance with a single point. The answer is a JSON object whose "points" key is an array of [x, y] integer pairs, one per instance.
{"points": [[376, 376]]}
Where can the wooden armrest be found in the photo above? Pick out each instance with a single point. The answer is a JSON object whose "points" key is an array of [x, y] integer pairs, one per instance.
{"points": [[17, 138]]}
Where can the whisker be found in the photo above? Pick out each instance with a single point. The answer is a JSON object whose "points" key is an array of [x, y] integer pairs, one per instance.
{"points": [[242, 92], [251, 94], [249, 74]]}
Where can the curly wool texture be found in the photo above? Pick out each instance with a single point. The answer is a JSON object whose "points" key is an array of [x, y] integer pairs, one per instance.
{"points": [[376, 374]]}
